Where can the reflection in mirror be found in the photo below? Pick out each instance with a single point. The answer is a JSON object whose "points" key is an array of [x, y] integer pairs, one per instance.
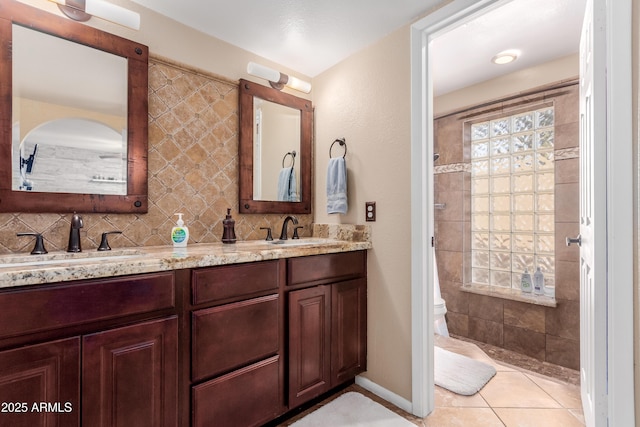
{"points": [[69, 135], [273, 126], [276, 144]]}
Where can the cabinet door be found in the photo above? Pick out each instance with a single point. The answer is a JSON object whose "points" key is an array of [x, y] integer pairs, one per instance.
{"points": [[348, 330], [309, 343], [129, 376], [45, 375]]}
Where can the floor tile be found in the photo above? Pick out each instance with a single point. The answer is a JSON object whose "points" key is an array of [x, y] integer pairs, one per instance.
{"points": [[516, 390], [566, 394], [513, 417], [446, 398], [462, 417]]}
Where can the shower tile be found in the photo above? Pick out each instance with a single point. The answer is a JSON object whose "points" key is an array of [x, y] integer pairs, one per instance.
{"points": [[567, 171], [524, 341], [564, 320], [563, 352], [448, 181], [449, 236], [453, 206], [566, 106], [458, 324], [456, 300], [485, 307], [562, 251], [567, 202], [449, 266], [568, 280], [525, 316], [485, 331]]}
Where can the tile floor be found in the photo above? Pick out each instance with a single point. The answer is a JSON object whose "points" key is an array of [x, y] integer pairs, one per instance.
{"points": [[515, 397]]}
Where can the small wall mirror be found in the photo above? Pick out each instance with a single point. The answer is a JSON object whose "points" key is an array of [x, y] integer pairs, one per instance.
{"points": [[275, 151], [76, 101]]}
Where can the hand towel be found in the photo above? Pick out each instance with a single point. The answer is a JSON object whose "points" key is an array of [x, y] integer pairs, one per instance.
{"points": [[287, 185], [337, 186]]}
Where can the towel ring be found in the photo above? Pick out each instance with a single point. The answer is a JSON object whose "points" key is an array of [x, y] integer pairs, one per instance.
{"points": [[293, 158], [343, 143]]}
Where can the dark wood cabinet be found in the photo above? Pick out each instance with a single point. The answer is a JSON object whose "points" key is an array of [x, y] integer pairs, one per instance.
{"points": [[40, 385], [237, 369], [309, 343], [348, 330], [130, 376], [327, 323], [235, 345], [90, 352]]}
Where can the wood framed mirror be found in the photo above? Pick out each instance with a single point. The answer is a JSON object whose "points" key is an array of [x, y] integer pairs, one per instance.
{"points": [[66, 143], [275, 151]]}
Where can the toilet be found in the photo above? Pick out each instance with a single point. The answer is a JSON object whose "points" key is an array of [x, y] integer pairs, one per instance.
{"points": [[439, 305]]}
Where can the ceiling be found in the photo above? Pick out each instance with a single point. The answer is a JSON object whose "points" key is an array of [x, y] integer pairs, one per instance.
{"points": [[310, 36]]}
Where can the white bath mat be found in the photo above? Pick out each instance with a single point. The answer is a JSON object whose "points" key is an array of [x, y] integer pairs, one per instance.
{"points": [[460, 374], [352, 409]]}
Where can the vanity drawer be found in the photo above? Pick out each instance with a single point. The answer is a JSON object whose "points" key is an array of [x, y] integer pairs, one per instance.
{"points": [[229, 336], [233, 281], [327, 268], [31, 310], [247, 397]]}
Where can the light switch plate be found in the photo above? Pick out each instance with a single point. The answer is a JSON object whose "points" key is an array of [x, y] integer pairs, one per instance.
{"points": [[370, 211]]}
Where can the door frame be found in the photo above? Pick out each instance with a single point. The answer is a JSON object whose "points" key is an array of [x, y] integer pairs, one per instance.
{"points": [[620, 253]]}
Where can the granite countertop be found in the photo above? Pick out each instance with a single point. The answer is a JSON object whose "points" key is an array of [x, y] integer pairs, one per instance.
{"points": [[21, 270]]}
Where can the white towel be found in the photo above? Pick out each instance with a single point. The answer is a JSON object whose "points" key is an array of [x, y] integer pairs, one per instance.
{"points": [[287, 185], [337, 186]]}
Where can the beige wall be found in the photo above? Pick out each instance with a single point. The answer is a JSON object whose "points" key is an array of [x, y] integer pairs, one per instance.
{"points": [[636, 201], [366, 100]]}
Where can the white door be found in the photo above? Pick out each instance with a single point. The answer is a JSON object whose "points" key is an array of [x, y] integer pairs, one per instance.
{"points": [[592, 239]]}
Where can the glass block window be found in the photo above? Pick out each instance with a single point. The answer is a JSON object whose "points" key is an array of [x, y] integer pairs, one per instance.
{"points": [[512, 198]]}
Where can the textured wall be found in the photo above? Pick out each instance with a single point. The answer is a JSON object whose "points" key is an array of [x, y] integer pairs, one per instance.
{"points": [[193, 168], [546, 333]]}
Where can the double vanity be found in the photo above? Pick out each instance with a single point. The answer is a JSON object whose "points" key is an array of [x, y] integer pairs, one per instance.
{"points": [[224, 335]]}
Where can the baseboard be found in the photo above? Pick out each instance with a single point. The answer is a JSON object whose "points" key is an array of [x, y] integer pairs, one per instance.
{"points": [[387, 395]]}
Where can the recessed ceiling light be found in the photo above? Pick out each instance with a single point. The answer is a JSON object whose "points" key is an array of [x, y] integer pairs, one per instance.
{"points": [[505, 57]]}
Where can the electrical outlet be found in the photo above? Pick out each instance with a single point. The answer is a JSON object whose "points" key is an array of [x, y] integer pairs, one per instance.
{"points": [[370, 209]]}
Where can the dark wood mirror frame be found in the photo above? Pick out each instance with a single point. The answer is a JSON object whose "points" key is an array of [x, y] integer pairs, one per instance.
{"points": [[247, 204], [137, 55]]}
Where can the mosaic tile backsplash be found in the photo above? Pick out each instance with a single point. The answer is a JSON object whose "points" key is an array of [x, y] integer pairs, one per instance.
{"points": [[193, 168]]}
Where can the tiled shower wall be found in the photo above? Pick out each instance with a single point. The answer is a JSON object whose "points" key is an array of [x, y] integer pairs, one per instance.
{"points": [[193, 168], [546, 333]]}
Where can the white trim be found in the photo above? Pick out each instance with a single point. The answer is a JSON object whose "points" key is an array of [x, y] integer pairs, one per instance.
{"points": [[620, 252], [422, 32], [387, 395]]}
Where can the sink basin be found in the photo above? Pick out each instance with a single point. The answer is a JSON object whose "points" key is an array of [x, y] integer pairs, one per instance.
{"points": [[66, 258]]}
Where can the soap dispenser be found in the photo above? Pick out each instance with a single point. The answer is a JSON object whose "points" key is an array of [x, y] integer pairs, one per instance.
{"points": [[538, 282], [229, 233], [525, 282], [179, 233]]}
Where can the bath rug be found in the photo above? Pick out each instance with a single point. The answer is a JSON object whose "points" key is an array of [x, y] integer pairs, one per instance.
{"points": [[460, 374], [352, 409]]}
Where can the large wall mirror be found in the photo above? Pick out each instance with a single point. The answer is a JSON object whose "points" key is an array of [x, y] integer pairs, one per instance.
{"points": [[275, 151], [74, 118]]}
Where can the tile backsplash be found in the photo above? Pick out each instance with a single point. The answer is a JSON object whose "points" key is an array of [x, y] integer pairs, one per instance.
{"points": [[193, 168]]}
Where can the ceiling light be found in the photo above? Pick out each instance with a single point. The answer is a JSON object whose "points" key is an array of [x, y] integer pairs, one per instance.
{"points": [[505, 57], [276, 79], [83, 10]]}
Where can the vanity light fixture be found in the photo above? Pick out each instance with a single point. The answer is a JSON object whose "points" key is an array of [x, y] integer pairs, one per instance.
{"points": [[505, 57], [276, 79], [83, 10]]}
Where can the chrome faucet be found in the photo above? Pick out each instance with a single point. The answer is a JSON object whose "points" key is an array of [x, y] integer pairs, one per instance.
{"points": [[74, 233], [283, 233]]}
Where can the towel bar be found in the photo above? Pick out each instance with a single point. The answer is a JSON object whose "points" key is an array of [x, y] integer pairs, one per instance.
{"points": [[293, 158], [342, 142]]}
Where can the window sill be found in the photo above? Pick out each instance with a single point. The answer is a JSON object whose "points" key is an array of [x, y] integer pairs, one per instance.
{"points": [[510, 294]]}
